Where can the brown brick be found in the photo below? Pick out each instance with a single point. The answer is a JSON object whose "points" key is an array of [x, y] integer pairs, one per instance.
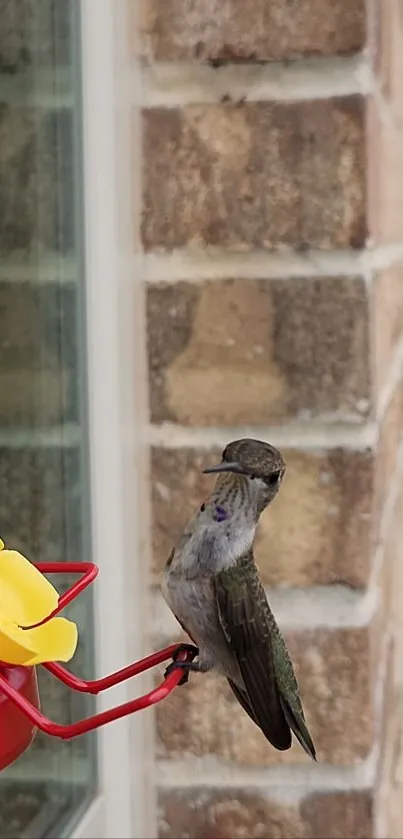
{"points": [[262, 30], [333, 668], [338, 815], [385, 178], [238, 352], [226, 814], [317, 530], [388, 320], [232, 814], [178, 489], [258, 175]]}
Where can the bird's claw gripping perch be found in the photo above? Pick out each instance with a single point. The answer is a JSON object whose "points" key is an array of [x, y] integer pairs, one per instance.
{"points": [[186, 666]]}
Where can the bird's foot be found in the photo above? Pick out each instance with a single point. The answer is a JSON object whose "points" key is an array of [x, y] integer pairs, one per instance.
{"points": [[186, 666], [185, 648]]}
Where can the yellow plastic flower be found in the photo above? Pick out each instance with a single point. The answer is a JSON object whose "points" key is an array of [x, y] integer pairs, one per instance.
{"points": [[26, 599]]}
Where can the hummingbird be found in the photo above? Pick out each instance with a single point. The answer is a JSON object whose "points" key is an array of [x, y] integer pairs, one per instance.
{"points": [[211, 584]]}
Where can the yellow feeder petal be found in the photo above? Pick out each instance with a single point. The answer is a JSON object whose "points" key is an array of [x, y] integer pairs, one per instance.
{"points": [[53, 641], [26, 596], [15, 646]]}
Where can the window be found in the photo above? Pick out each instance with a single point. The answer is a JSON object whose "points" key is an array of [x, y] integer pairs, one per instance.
{"points": [[44, 453]]}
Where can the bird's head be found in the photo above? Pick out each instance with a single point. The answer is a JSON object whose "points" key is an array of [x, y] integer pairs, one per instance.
{"points": [[259, 463]]}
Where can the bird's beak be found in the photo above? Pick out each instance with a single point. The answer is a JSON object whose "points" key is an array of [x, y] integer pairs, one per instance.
{"points": [[225, 467]]}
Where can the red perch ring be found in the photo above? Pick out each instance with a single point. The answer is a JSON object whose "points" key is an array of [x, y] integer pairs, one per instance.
{"points": [[20, 714]]}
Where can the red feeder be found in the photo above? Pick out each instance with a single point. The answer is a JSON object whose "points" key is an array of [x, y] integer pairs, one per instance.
{"points": [[20, 715]]}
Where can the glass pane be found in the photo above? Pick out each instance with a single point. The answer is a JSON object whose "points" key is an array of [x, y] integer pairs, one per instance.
{"points": [[44, 484]]}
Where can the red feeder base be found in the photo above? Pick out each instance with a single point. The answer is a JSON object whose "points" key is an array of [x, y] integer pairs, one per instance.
{"points": [[16, 730]]}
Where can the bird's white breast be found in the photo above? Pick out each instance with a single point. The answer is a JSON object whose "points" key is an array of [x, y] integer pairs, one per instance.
{"points": [[214, 548]]}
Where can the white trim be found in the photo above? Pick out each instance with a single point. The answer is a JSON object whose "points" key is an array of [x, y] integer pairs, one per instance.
{"points": [[93, 821], [112, 429]]}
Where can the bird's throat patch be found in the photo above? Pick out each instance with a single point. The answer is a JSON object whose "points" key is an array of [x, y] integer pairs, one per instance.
{"points": [[220, 514]]}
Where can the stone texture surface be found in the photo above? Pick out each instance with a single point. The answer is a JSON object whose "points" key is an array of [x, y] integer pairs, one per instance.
{"points": [[316, 532], [325, 175], [40, 502], [390, 787], [34, 32], [385, 177], [238, 352], [385, 39], [390, 583], [390, 791], [390, 438], [38, 354], [387, 298], [231, 814], [296, 170], [333, 668], [36, 180], [393, 559], [261, 30]]}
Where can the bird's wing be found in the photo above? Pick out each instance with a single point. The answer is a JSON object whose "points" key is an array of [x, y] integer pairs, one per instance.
{"points": [[247, 632], [299, 727], [289, 691], [243, 700]]}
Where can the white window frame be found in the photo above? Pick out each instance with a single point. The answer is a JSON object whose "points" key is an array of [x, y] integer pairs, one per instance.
{"points": [[116, 415]]}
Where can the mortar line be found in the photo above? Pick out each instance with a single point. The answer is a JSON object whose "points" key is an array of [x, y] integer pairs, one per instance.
{"points": [[199, 265], [209, 772], [170, 84], [331, 607], [302, 436]]}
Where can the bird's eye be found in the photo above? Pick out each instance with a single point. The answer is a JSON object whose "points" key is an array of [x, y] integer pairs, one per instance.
{"points": [[273, 479]]}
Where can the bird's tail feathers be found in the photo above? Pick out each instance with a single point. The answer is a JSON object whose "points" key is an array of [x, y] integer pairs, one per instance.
{"points": [[299, 728]]}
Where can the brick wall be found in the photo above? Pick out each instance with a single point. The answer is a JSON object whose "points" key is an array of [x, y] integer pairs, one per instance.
{"points": [[273, 237]]}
